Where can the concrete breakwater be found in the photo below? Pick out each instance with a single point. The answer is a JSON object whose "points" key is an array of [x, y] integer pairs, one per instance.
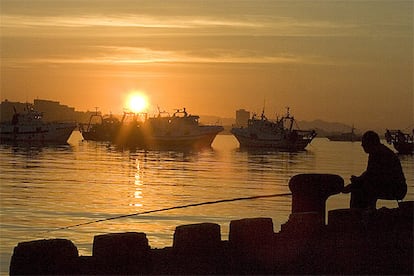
{"points": [[353, 241]]}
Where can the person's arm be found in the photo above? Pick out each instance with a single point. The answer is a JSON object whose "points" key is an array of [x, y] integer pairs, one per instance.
{"points": [[357, 180]]}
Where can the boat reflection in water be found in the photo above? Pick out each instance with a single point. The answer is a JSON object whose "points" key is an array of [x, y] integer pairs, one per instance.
{"points": [[29, 127], [181, 130], [276, 135]]}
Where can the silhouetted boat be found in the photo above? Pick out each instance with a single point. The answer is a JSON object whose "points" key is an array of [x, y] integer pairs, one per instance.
{"points": [[347, 137], [181, 130], [131, 130], [100, 128], [278, 135], [30, 127], [402, 142]]}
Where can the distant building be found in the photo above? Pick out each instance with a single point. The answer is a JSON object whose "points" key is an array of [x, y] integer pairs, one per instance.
{"points": [[242, 116], [52, 111], [7, 109]]}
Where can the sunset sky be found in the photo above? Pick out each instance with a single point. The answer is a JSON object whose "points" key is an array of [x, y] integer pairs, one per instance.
{"points": [[345, 61]]}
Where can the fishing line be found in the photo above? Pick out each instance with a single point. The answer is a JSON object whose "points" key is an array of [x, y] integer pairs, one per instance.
{"points": [[169, 208]]}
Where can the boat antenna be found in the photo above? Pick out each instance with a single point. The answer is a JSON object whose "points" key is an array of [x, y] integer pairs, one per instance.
{"points": [[264, 105], [263, 110], [287, 112]]}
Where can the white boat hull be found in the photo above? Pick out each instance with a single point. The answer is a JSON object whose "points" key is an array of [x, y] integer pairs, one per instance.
{"points": [[273, 142], [40, 133], [201, 137]]}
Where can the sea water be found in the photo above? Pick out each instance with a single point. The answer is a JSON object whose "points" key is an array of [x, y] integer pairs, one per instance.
{"points": [[46, 191]]}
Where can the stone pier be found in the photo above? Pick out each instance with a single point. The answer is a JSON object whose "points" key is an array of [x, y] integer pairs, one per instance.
{"points": [[352, 241]]}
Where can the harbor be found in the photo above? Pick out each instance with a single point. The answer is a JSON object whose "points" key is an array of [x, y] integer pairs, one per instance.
{"points": [[206, 137], [64, 188]]}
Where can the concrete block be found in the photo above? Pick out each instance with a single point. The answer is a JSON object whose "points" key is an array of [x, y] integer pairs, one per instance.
{"points": [[406, 208], [197, 238], [300, 224], [251, 232], [124, 253], [52, 256], [346, 220], [251, 243]]}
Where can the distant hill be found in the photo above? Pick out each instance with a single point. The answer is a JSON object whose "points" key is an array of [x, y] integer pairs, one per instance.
{"points": [[207, 119], [324, 128]]}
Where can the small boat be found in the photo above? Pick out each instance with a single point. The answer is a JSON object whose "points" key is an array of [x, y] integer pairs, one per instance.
{"points": [[402, 142], [100, 128], [275, 135], [30, 127], [346, 137], [181, 130]]}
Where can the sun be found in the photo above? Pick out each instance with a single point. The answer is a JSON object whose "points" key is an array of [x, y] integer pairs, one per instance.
{"points": [[137, 102]]}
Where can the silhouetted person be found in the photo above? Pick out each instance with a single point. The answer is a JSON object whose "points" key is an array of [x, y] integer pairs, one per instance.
{"points": [[383, 178]]}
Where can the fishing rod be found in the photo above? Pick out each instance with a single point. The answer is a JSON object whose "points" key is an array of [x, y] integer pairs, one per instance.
{"points": [[170, 208]]}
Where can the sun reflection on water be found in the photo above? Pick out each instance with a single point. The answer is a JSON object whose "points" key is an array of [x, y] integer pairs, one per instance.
{"points": [[138, 186]]}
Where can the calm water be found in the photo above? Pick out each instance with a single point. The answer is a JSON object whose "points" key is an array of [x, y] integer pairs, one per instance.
{"points": [[45, 188]]}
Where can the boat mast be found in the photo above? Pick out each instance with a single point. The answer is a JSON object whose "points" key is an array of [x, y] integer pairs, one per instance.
{"points": [[290, 118], [263, 110]]}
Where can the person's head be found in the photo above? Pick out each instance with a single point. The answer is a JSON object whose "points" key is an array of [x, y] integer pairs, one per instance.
{"points": [[370, 140]]}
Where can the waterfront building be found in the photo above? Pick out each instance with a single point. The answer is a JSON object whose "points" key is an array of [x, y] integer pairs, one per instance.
{"points": [[242, 116], [52, 111]]}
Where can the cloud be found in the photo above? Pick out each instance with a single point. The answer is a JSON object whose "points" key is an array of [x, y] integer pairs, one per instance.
{"points": [[197, 18], [133, 56], [139, 25], [127, 24], [122, 20], [217, 38]]}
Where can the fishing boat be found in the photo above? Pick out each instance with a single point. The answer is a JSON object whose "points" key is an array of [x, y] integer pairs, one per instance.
{"points": [[180, 130], [131, 130], [277, 135], [346, 137], [100, 128], [28, 126], [402, 142]]}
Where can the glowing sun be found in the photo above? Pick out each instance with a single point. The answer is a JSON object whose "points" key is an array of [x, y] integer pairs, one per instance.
{"points": [[137, 102]]}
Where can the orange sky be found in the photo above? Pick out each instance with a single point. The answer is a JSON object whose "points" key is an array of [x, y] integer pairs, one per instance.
{"points": [[346, 61]]}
